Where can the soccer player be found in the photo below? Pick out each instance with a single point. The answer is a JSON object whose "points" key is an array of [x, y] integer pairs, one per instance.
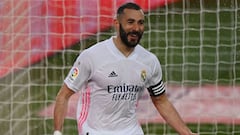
{"points": [[111, 76]]}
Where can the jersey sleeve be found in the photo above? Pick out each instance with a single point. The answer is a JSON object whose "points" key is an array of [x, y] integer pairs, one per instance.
{"points": [[156, 85], [80, 72]]}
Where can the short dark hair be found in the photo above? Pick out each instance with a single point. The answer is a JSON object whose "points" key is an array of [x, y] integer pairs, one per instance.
{"points": [[128, 5]]}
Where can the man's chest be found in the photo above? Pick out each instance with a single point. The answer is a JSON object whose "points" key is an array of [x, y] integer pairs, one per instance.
{"points": [[124, 72]]}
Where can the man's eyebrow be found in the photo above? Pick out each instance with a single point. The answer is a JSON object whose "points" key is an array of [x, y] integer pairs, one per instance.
{"points": [[131, 19]]}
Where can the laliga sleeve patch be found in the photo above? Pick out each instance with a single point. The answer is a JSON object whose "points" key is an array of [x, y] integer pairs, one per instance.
{"points": [[74, 73]]}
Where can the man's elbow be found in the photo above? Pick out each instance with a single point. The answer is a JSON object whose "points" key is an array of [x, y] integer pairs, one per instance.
{"points": [[159, 99]]}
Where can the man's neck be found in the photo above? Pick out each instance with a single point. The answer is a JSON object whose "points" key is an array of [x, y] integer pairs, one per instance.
{"points": [[126, 51]]}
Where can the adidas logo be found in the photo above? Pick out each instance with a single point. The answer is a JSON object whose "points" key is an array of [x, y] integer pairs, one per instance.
{"points": [[112, 74]]}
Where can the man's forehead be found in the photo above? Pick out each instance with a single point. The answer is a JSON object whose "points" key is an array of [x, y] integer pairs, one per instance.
{"points": [[132, 13]]}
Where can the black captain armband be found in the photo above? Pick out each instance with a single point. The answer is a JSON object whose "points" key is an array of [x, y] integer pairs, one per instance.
{"points": [[157, 89]]}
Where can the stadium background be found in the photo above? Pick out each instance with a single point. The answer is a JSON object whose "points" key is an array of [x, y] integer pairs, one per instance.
{"points": [[196, 42]]}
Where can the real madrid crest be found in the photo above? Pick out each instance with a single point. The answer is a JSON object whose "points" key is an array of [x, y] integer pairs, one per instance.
{"points": [[143, 75]]}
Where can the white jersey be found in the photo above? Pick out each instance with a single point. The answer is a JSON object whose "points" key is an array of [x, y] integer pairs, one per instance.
{"points": [[110, 85]]}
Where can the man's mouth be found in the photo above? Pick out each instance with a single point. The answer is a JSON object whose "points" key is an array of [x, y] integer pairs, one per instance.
{"points": [[134, 35]]}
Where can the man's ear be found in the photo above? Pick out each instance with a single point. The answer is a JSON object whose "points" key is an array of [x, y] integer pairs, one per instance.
{"points": [[116, 23]]}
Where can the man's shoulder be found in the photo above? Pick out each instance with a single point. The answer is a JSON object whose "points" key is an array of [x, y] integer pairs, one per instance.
{"points": [[97, 50], [99, 46], [143, 52]]}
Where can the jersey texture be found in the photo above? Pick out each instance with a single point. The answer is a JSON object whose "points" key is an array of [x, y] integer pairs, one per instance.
{"points": [[110, 85]]}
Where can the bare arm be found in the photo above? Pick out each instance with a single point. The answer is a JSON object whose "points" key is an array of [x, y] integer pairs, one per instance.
{"points": [[61, 106], [170, 114]]}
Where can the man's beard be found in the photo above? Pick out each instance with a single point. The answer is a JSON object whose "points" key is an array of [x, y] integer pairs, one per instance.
{"points": [[124, 37]]}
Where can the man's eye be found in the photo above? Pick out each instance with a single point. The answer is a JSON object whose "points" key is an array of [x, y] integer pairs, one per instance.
{"points": [[141, 22]]}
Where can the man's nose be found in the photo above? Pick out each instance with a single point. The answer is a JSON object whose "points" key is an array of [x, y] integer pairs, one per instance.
{"points": [[136, 27]]}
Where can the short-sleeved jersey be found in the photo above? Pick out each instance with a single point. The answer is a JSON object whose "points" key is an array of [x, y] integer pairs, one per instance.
{"points": [[110, 85]]}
